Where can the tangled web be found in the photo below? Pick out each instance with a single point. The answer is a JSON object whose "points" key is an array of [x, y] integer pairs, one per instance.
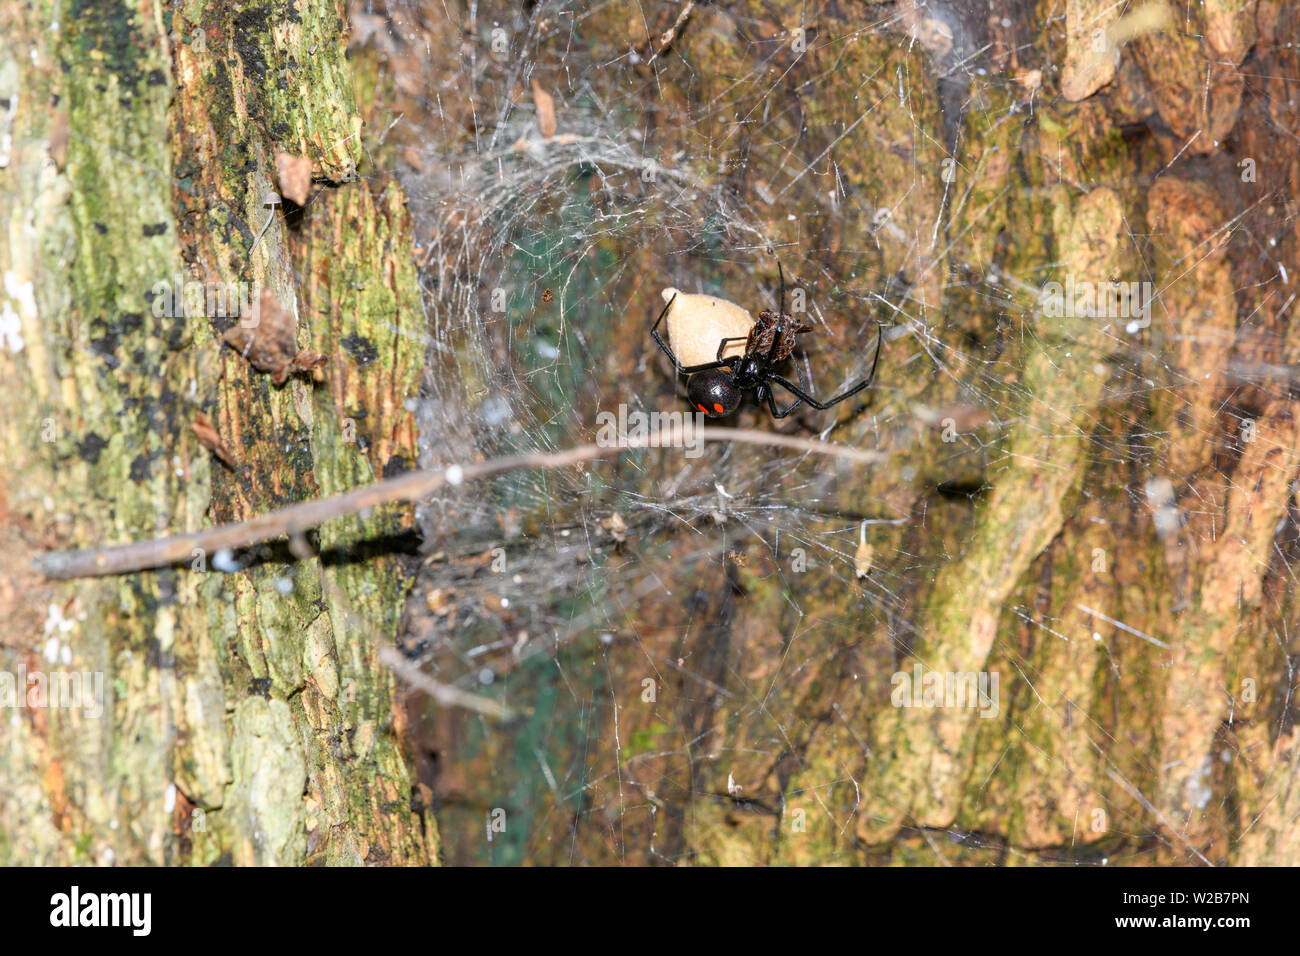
{"points": [[661, 623]]}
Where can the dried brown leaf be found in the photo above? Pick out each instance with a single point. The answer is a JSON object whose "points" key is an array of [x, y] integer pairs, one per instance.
{"points": [[616, 527], [545, 110], [865, 553], [58, 138], [413, 158], [294, 173], [267, 340], [206, 433]]}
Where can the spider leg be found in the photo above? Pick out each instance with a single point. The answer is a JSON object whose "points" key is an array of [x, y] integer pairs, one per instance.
{"points": [[654, 330], [880, 338], [764, 392], [781, 273], [865, 383], [723, 344], [804, 396], [707, 366], [805, 372], [684, 369]]}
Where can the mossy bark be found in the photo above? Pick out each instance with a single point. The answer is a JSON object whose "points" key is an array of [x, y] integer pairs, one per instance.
{"points": [[247, 718], [876, 161], [770, 736]]}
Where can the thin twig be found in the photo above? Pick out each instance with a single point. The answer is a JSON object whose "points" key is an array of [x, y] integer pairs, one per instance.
{"points": [[411, 486], [667, 39], [444, 694], [405, 670]]}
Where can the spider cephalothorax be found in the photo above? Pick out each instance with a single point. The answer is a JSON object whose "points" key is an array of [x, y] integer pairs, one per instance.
{"points": [[716, 387]]}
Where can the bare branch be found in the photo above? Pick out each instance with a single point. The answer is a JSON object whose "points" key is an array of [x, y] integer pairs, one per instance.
{"points": [[444, 694], [666, 41], [411, 486]]}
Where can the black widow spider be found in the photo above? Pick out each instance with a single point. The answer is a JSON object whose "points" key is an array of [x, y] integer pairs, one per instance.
{"points": [[715, 388]]}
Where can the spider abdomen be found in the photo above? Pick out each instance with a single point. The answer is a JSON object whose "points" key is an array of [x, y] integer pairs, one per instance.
{"points": [[714, 392]]}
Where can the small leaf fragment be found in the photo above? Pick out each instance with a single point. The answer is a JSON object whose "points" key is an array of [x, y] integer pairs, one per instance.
{"points": [[545, 110], [294, 173], [865, 553], [267, 339], [206, 433]]}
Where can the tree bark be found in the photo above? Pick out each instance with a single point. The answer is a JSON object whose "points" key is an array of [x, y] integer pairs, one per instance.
{"points": [[1106, 518], [246, 717], [1102, 516]]}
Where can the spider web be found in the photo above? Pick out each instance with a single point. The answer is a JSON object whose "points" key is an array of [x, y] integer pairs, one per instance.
{"points": [[765, 598]]}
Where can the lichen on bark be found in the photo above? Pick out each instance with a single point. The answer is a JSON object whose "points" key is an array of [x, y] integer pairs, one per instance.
{"points": [[249, 719]]}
